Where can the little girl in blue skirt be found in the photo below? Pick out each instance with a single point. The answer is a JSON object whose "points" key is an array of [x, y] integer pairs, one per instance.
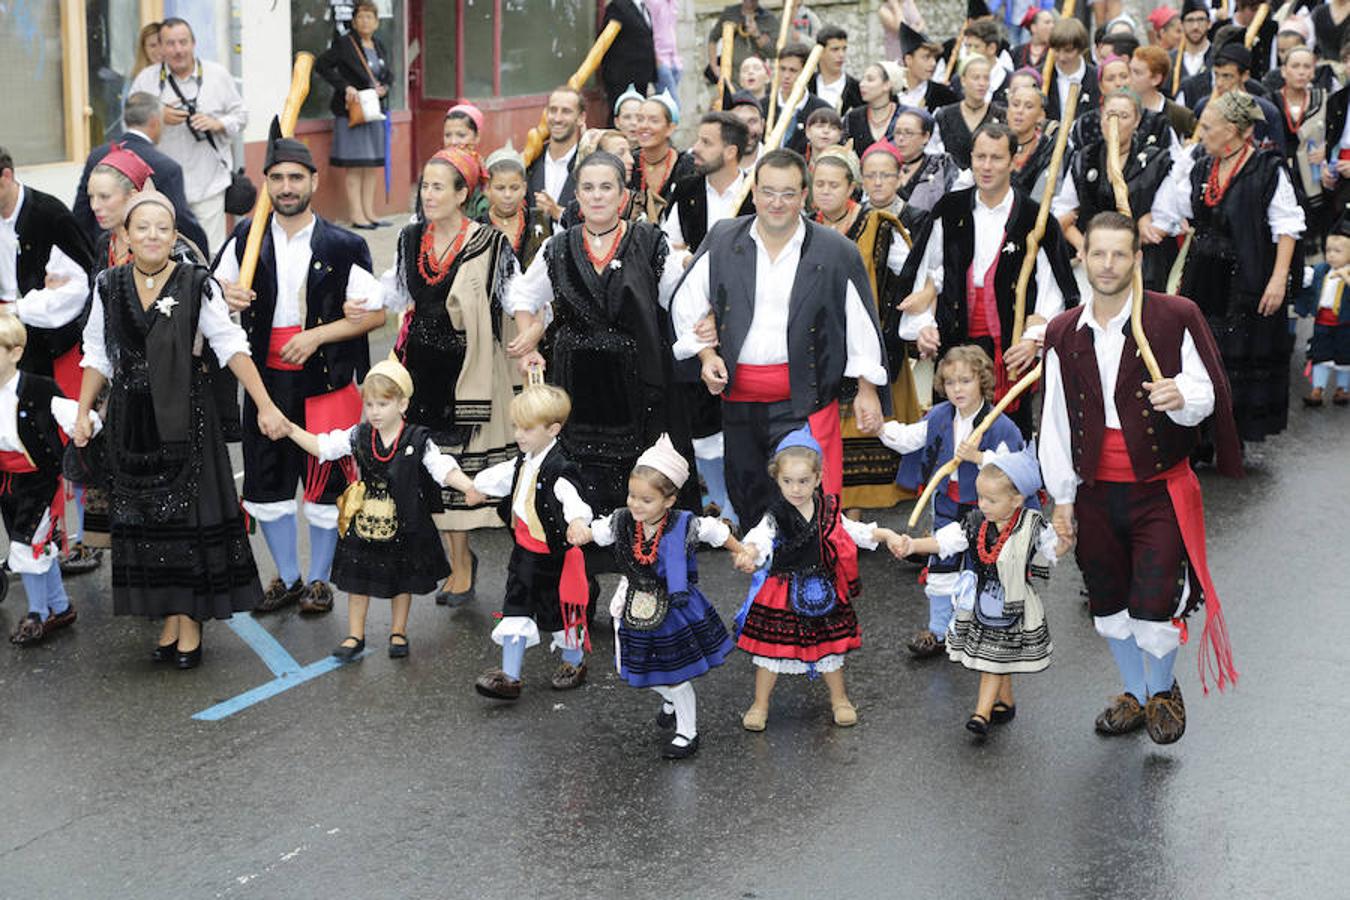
{"points": [[667, 632]]}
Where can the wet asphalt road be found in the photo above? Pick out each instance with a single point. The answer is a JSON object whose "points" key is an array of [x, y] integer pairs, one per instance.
{"points": [[393, 778]]}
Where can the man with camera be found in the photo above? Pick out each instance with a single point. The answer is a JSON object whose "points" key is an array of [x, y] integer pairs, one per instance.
{"points": [[202, 113]]}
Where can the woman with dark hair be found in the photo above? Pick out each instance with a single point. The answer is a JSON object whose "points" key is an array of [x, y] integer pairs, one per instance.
{"points": [[354, 62], [179, 548], [602, 288], [875, 119], [659, 165], [451, 277]]}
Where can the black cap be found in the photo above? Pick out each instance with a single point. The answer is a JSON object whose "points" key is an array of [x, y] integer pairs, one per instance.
{"points": [[911, 40], [744, 98], [1190, 6], [1233, 52], [282, 149], [977, 9]]}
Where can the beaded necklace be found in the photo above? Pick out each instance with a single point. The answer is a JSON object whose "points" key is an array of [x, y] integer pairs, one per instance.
{"points": [[667, 169], [393, 447], [990, 556], [113, 259], [834, 223], [609, 255], [1214, 187], [645, 551], [433, 270]]}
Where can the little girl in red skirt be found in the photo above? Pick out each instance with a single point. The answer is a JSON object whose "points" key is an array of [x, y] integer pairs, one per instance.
{"points": [[799, 618]]}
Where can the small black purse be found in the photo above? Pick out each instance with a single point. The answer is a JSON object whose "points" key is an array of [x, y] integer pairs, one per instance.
{"points": [[241, 195], [645, 610]]}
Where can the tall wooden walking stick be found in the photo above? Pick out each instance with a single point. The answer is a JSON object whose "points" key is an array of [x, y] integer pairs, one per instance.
{"points": [[775, 137], [784, 29], [724, 65], [1049, 68], [955, 54], [290, 112], [1115, 170], [534, 141], [1254, 29], [1019, 310]]}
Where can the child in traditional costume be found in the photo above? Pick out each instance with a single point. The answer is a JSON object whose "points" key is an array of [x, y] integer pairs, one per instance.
{"points": [[542, 501], [1329, 349], [33, 415], [525, 228], [389, 546], [799, 616], [966, 375], [1000, 626], [666, 631], [462, 130]]}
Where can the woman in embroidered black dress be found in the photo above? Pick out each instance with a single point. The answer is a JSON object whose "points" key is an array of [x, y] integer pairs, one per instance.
{"points": [[453, 273], [602, 288], [179, 547], [1247, 223]]}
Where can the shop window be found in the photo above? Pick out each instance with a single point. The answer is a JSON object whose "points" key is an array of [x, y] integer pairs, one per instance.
{"points": [[543, 42], [30, 43]]}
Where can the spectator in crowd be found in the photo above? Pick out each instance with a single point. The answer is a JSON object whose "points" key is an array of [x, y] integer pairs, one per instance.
{"points": [[631, 59], [358, 61], [147, 49], [202, 113], [669, 66], [894, 13], [755, 34], [144, 120]]}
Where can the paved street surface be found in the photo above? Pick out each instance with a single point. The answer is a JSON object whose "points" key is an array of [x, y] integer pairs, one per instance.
{"points": [[388, 778]]}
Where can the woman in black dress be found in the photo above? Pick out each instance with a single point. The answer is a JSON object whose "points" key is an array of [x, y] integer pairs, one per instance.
{"points": [[179, 547], [875, 119], [956, 123]]}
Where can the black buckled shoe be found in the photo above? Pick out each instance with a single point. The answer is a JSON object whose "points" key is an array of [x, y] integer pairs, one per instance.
{"points": [[680, 751], [459, 598], [398, 650], [345, 653]]}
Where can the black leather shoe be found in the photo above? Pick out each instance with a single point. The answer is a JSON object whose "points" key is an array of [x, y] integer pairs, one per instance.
{"points": [[454, 598], [396, 650], [665, 719], [978, 725], [344, 652], [164, 653], [1002, 714], [189, 660], [675, 751]]}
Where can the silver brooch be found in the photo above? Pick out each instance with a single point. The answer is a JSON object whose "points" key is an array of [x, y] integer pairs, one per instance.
{"points": [[1142, 157], [1010, 247], [408, 450], [165, 305], [1091, 174], [317, 265], [616, 264]]}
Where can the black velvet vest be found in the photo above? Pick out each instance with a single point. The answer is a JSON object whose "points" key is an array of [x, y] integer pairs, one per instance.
{"points": [[546, 506]]}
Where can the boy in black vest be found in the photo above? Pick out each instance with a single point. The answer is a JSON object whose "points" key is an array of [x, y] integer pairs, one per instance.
{"points": [[542, 501], [31, 493]]}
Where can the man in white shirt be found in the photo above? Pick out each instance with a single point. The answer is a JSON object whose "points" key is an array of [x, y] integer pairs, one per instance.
{"points": [[309, 356], [831, 83], [202, 114], [780, 351], [1115, 451], [548, 181]]}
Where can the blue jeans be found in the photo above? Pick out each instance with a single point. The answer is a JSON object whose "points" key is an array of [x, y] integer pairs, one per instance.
{"points": [[668, 78]]}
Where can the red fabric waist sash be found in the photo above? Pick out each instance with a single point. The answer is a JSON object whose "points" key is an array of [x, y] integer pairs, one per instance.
{"points": [[1183, 489], [15, 462], [525, 539], [770, 384], [982, 321], [954, 488], [279, 339], [1327, 316]]}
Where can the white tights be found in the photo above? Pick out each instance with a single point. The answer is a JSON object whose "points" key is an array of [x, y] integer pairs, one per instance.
{"points": [[681, 699]]}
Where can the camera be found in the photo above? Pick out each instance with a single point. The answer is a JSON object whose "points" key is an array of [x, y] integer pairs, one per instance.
{"points": [[190, 106]]}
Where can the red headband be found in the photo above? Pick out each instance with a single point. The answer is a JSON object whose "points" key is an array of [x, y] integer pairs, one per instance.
{"points": [[128, 163], [463, 161], [884, 146]]}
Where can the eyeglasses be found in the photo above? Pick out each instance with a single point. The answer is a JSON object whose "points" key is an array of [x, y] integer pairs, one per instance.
{"points": [[778, 196], [1195, 19], [881, 176]]}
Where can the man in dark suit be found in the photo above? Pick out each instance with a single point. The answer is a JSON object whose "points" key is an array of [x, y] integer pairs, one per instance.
{"points": [[144, 120], [790, 64], [631, 59]]}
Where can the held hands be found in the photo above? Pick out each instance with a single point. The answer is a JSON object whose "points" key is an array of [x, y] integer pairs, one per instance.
{"points": [[1065, 527], [579, 533], [867, 408], [526, 340], [900, 545], [744, 560], [1165, 395], [473, 497], [969, 451], [929, 341], [1148, 232], [237, 297], [1020, 357], [714, 372], [84, 429], [531, 360], [272, 423]]}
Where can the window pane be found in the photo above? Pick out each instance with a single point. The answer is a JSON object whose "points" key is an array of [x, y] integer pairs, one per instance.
{"points": [[113, 27], [478, 48], [30, 43], [543, 42], [438, 50], [312, 30]]}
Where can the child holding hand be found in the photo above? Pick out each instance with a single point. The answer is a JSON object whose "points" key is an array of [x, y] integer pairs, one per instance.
{"points": [[800, 619], [388, 544], [1000, 626]]}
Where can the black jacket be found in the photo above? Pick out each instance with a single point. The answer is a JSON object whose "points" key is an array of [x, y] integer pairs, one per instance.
{"points": [[850, 98], [341, 66], [1088, 96], [168, 180], [44, 222], [534, 179], [632, 57]]}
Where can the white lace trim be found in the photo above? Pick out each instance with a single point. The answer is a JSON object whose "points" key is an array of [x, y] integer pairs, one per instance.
{"points": [[832, 663]]}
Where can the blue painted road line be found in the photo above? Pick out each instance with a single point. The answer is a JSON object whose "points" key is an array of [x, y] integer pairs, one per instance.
{"points": [[283, 682], [261, 642]]}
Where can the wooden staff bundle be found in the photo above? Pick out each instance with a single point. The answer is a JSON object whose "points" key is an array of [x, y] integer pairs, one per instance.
{"points": [[534, 141]]}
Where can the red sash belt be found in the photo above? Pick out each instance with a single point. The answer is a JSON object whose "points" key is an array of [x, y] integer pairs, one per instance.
{"points": [[770, 384], [954, 488], [15, 462], [525, 539], [1183, 489], [982, 321], [66, 372], [279, 339], [1327, 316]]}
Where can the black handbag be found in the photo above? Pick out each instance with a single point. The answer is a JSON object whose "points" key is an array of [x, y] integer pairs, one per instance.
{"points": [[645, 610], [240, 195]]}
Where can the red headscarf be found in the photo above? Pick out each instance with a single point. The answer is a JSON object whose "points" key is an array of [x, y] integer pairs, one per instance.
{"points": [[884, 146], [128, 163], [464, 161]]}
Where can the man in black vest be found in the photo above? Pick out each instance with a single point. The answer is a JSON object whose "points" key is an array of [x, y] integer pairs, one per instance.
{"points": [[631, 59], [698, 203], [795, 328], [549, 182], [309, 356], [1115, 449], [144, 119], [831, 83], [964, 266]]}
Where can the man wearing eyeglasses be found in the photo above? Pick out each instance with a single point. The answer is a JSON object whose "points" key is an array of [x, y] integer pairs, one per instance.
{"points": [[1195, 46], [779, 312]]}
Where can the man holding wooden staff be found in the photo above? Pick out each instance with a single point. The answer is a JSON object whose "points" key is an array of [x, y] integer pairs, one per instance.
{"points": [[965, 262], [309, 356], [1115, 452]]}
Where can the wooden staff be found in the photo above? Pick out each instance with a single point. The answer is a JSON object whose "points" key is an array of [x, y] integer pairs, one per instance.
{"points": [[1176, 69], [1042, 215], [262, 209], [950, 467], [724, 65], [1115, 170], [1254, 29], [955, 54], [534, 141], [784, 27], [775, 138]]}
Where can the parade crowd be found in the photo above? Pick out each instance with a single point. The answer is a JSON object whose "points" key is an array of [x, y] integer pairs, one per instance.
{"points": [[1070, 264]]}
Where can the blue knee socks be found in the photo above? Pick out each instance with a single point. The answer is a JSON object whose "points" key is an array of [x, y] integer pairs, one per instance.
{"points": [[1130, 661], [1321, 375], [46, 593], [513, 656], [281, 543], [1158, 677], [322, 546], [1343, 378], [574, 656], [57, 601], [77, 523], [715, 477], [939, 613]]}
